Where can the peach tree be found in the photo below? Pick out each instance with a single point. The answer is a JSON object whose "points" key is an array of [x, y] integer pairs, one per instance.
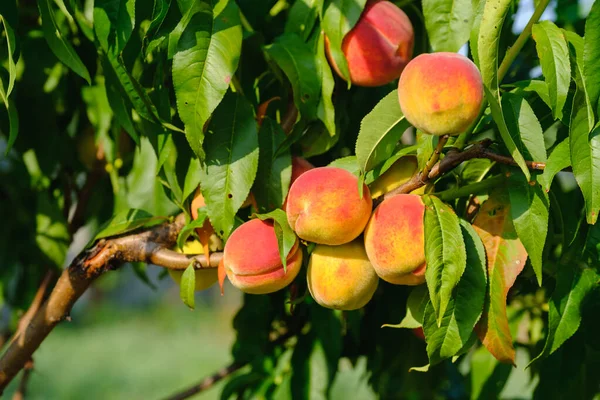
{"points": [[415, 184]]}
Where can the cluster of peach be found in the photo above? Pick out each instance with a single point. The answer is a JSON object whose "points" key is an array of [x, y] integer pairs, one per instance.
{"points": [[439, 94]]}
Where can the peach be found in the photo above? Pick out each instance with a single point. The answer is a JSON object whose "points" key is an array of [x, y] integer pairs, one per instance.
{"points": [[394, 240], [206, 233], [252, 261], [324, 206], [299, 166], [441, 93], [341, 277], [400, 172], [205, 278], [378, 47]]}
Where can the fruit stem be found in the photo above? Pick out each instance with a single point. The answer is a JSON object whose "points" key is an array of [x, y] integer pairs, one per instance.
{"points": [[473, 188], [424, 176], [513, 51]]}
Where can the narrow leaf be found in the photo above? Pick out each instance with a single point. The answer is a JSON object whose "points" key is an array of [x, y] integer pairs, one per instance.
{"points": [[114, 21], [554, 58], [303, 16], [559, 159], [231, 161], [188, 286], [529, 208], [59, 45], [286, 238], [190, 227], [564, 315], [524, 127], [506, 258], [591, 55], [123, 222], [494, 12], [325, 110], [445, 253], [448, 23], [380, 131], [207, 56], [415, 309]]}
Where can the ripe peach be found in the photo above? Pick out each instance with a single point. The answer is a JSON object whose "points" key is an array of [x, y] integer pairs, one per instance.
{"points": [[252, 262], [341, 277], [441, 93], [324, 206], [394, 240], [299, 166], [378, 47], [400, 172], [205, 278]]}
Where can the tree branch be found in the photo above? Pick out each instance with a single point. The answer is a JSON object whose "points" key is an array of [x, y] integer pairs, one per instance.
{"points": [[145, 246], [453, 159]]}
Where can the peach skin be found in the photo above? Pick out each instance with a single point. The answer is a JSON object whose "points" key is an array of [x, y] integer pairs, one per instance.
{"points": [[341, 277], [441, 93], [299, 166], [394, 240], [252, 262], [378, 47], [205, 278], [324, 206]]}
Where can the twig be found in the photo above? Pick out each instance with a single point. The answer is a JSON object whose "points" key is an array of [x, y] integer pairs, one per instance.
{"points": [[454, 158], [22, 390], [434, 158], [84, 196], [210, 381], [39, 297], [105, 255]]}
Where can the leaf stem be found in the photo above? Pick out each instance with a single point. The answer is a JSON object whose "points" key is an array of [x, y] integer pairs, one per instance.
{"points": [[424, 176]]}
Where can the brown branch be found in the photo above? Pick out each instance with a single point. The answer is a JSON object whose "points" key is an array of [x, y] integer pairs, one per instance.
{"points": [[210, 381], [105, 255], [453, 159], [22, 390], [434, 157], [35, 305], [173, 260]]}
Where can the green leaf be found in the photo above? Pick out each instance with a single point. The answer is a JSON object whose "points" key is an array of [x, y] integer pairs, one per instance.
{"points": [[114, 21], [52, 235], [303, 16], [465, 307], [591, 55], [510, 144], [554, 58], [492, 19], [123, 222], [286, 238], [448, 23], [559, 159], [524, 127], [325, 109], [478, 9], [380, 131], [340, 17], [187, 286], [274, 170], [13, 121], [11, 47], [488, 377], [415, 309], [315, 140], [445, 253], [231, 161], [381, 169], [302, 69], [59, 45], [190, 227], [532, 85], [564, 315], [506, 257], [349, 163], [529, 209], [211, 42]]}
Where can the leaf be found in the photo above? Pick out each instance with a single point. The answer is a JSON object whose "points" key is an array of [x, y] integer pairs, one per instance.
{"points": [[13, 121], [559, 159], [211, 42], [529, 209], [302, 69], [190, 227], [274, 171], [415, 309], [348, 163], [510, 144], [478, 9], [465, 307], [123, 222], [492, 19], [445, 253], [303, 16], [554, 58], [325, 109], [187, 286], [11, 47], [380, 131], [448, 23], [533, 85], [524, 127], [52, 235], [286, 238], [340, 17], [564, 315], [488, 377], [591, 55], [506, 258], [114, 21], [231, 161], [60, 46]]}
